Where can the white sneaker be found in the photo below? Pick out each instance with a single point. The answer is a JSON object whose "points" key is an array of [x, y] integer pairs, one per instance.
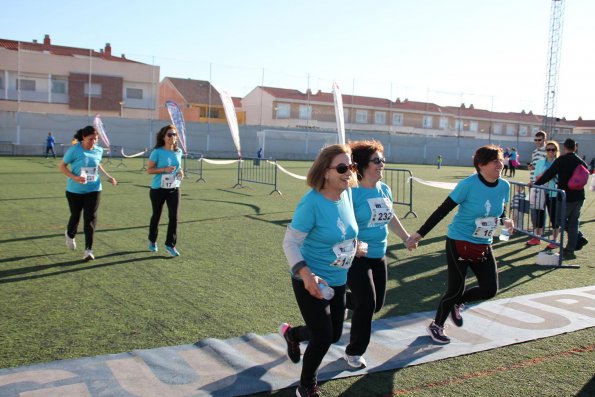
{"points": [[88, 255], [70, 243], [355, 361]]}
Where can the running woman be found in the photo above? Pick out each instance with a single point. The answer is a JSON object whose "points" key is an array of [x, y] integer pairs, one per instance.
{"points": [[165, 164], [482, 199], [83, 186]]}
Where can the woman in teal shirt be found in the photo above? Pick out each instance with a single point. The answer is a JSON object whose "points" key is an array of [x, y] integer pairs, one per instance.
{"points": [[320, 244], [83, 187], [165, 165]]}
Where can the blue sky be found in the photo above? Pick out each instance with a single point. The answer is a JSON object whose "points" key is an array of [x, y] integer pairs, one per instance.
{"points": [[489, 53]]}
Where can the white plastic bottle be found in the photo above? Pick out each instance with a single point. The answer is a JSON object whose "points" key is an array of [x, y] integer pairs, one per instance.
{"points": [[327, 292], [504, 234]]}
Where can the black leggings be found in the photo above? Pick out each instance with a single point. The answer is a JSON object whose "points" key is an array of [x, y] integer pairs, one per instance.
{"points": [[88, 203], [158, 198], [324, 326], [367, 283], [486, 273]]}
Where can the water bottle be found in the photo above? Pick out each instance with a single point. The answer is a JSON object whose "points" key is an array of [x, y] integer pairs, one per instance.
{"points": [[327, 292], [504, 234]]}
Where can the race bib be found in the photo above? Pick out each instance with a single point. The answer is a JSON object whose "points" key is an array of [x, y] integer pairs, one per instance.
{"points": [[90, 174], [345, 252], [382, 211], [485, 227], [170, 181]]}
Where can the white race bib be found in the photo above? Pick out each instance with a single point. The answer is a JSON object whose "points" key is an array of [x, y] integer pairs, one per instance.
{"points": [[90, 174], [170, 181], [485, 227], [382, 211], [345, 252]]}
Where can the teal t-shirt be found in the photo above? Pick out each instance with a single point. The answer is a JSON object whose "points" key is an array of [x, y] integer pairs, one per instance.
{"points": [[479, 205], [84, 162], [373, 211], [165, 158], [331, 230], [542, 166]]}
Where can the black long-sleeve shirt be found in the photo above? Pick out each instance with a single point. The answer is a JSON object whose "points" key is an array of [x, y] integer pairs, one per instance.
{"points": [[564, 166]]}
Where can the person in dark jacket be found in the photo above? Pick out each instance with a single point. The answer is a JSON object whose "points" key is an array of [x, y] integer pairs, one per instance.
{"points": [[563, 167]]}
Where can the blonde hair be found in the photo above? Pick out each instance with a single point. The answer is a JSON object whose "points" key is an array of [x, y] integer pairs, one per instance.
{"points": [[316, 175]]}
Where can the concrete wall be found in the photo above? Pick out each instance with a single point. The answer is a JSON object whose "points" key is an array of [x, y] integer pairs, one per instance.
{"points": [[214, 140]]}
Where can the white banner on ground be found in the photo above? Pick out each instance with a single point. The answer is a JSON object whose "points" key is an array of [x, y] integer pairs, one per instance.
{"points": [[339, 112], [440, 185], [232, 120]]}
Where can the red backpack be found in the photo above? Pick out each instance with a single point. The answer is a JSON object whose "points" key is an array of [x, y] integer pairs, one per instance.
{"points": [[579, 178]]}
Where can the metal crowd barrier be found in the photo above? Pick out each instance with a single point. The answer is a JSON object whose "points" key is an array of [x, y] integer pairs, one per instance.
{"points": [[257, 170], [530, 206], [400, 182]]}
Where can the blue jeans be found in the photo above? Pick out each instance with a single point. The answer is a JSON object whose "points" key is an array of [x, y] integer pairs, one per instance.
{"points": [[573, 212]]}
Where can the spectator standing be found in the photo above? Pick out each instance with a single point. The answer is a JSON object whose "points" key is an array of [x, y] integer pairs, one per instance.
{"points": [[50, 142], [538, 195]]}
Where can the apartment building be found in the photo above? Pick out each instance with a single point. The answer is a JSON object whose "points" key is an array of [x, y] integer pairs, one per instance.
{"points": [[290, 108], [41, 77]]}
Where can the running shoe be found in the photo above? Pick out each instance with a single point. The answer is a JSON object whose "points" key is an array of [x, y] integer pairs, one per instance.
{"points": [[437, 334], [551, 246], [153, 247], [355, 361], [310, 391], [581, 242], [172, 250], [455, 314], [88, 255], [534, 241], [293, 347], [70, 243]]}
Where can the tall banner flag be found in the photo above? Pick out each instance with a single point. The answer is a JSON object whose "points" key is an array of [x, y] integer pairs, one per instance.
{"points": [[339, 112], [232, 120], [101, 130], [177, 119]]}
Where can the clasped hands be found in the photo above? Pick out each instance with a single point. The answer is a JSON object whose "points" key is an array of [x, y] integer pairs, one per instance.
{"points": [[412, 241]]}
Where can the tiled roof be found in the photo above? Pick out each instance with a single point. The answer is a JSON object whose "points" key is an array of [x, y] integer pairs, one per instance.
{"points": [[582, 123], [59, 50], [196, 91]]}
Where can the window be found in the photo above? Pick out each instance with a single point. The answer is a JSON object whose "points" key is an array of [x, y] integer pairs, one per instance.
{"points": [[361, 116], [534, 130], [346, 115], [443, 123], [459, 125], [510, 129], [1, 82], [498, 129], [283, 110], [427, 122], [473, 126], [566, 131], [305, 112], [397, 119], [379, 118], [523, 130], [134, 93], [58, 87], [25, 85], [93, 90]]}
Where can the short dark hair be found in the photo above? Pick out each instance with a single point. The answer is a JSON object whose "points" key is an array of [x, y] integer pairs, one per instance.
{"points": [[570, 144], [362, 152], [485, 154], [541, 134]]}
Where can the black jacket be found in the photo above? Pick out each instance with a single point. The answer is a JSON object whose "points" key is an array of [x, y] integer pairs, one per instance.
{"points": [[564, 166]]}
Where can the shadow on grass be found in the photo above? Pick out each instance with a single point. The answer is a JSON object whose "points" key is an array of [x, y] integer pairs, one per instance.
{"points": [[4, 274]]}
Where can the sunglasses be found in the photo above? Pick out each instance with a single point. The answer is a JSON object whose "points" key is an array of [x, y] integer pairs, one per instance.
{"points": [[378, 160], [343, 168], [551, 150], [537, 140], [170, 134]]}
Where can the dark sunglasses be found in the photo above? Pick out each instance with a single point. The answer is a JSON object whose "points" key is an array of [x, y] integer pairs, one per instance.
{"points": [[343, 168], [537, 140], [551, 149], [170, 134], [378, 160]]}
